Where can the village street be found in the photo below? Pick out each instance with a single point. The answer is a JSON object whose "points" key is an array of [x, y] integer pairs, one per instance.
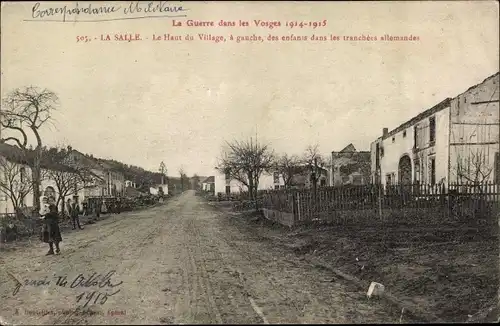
{"points": [[176, 263]]}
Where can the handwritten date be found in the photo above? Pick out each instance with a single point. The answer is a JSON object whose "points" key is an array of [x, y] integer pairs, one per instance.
{"points": [[85, 298]]}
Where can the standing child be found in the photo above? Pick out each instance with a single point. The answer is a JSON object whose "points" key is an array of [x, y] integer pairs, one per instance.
{"points": [[51, 233], [75, 215]]}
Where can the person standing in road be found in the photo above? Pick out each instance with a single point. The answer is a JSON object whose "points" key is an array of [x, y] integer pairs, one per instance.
{"points": [[51, 233], [97, 208], [68, 208], [118, 206], [75, 212]]}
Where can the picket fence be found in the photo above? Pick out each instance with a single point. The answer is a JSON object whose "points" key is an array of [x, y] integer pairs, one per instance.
{"points": [[395, 204]]}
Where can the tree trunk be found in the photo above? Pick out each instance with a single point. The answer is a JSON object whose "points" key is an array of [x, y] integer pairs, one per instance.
{"points": [[256, 196], [36, 179], [250, 185], [63, 206], [256, 187], [15, 205]]}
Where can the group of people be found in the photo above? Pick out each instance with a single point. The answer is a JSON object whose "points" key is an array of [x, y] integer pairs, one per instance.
{"points": [[51, 232]]}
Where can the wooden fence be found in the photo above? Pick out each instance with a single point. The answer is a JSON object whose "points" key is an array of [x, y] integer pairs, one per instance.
{"points": [[398, 204]]}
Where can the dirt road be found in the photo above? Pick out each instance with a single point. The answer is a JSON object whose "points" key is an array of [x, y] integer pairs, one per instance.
{"points": [[177, 263]]}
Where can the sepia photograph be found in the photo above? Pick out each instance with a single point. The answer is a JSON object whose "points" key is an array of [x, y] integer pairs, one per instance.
{"points": [[249, 162]]}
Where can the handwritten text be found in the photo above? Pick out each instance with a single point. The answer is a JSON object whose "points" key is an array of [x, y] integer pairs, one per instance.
{"points": [[106, 12]]}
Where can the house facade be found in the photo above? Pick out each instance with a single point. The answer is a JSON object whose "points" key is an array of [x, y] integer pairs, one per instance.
{"points": [[302, 180], [272, 181], [224, 184], [15, 176], [208, 184], [457, 134], [15, 181], [349, 166], [115, 180], [130, 184], [110, 182], [474, 134], [158, 189]]}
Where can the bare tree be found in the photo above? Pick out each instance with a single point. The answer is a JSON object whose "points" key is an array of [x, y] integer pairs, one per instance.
{"points": [[163, 171], [29, 109], [288, 166], [15, 183], [195, 180], [245, 161], [314, 161], [69, 178], [474, 168], [182, 173]]}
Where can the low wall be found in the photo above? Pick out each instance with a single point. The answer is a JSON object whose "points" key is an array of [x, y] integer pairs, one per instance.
{"points": [[283, 218]]}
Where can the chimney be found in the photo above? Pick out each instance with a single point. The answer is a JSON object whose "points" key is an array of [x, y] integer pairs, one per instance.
{"points": [[385, 132]]}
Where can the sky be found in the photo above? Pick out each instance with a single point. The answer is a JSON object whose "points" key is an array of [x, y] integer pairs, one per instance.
{"points": [[178, 101]]}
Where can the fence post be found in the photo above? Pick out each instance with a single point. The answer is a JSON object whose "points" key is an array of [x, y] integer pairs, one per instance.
{"points": [[298, 206], [294, 208], [380, 201]]}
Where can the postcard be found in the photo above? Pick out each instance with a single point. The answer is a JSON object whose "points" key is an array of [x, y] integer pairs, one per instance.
{"points": [[249, 162]]}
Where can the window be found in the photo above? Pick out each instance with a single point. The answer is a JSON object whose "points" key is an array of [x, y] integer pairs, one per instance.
{"points": [[432, 170], [393, 139], [404, 134], [228, 190], [357, 179], [381, 152], [22, 172], [417, 171], [497, 167], [276, 177], [276, 187], [415, 137], [432, 129], [228, 176], [388, 179]]}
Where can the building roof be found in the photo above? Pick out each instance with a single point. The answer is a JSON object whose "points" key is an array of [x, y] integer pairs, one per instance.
{"points": [[355, 158], [348, 149], [438, 107], [210, 179], [474, 86], [21, 156], [132, 192], [427, 113], [14, 154], [86, 160]]}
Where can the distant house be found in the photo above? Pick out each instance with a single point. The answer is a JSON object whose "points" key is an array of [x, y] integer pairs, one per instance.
{"points": [[111, 180], [302, 180], [208, 184], [271, 181], [80, 161], [131, 192], [115, 179], [349, 166], [224, 184], [456, 141], [130, 184]]}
